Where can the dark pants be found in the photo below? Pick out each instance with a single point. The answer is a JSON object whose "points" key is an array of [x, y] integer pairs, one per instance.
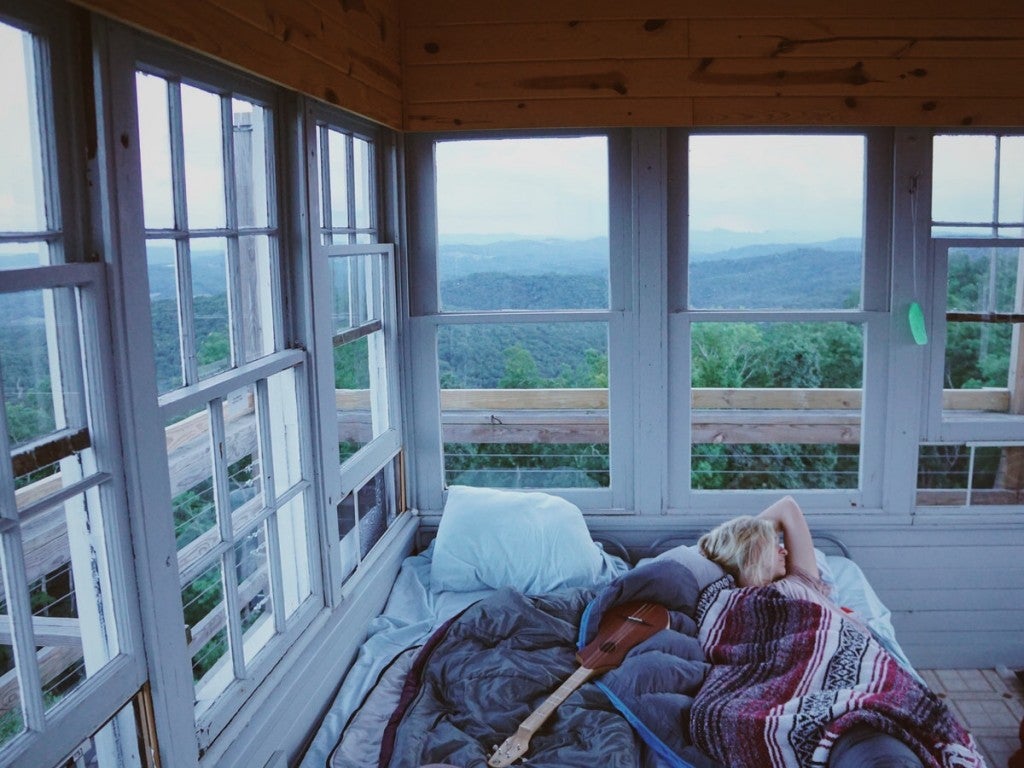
{"points": [[864, 747]]}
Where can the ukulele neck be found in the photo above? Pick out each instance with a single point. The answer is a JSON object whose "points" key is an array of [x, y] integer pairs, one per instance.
{"points": [[540, 715]]}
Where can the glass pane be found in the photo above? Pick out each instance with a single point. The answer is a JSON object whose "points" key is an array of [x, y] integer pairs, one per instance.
{"points": [[523, 223], [348, 535], [22, 198], [337, 162], [1011, 183], [11, 720], [249, 135], [361, 167], [204, 158], [257, 316], [155, 151], [191, 473], [115, 745], [963, 475], [163, 308], [776, 222], [361, 392], [776, 405], [285, 431], [552, 432], [978, 354], [253, 577], [210, 305], [206, 625], [357, 290], [375, 510], [68, 586], [40, 363], [963, 178], [21, 255], [294, 542], [242, 454]]}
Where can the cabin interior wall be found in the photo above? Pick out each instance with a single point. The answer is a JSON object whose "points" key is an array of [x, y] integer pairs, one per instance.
{"points": [[433, 65]]}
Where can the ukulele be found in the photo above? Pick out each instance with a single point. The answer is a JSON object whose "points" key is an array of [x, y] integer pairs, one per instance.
{"points": [[622, 627]]}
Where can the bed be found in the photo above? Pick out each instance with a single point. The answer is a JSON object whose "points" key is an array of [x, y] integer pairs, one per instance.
{"points": [[483, 624]]}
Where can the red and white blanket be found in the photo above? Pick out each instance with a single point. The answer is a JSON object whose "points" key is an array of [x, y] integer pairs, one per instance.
{"points": [[790, 673]]}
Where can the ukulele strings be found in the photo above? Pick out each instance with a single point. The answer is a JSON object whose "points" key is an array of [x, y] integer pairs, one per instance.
{"points": [[624, 630]]}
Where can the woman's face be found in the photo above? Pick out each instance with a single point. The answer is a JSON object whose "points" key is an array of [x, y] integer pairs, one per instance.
{"points": [[780, 561]]}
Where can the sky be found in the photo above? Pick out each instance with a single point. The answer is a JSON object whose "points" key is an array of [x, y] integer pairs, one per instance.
{"points": [[808, 186]]}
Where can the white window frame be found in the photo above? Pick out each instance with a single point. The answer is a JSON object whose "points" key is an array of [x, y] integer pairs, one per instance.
{"points": [[341, 479], [128, 51], [873, 317], [426, 318]]}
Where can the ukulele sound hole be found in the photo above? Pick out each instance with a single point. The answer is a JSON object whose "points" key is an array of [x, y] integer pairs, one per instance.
{"points": [[607, 646]]}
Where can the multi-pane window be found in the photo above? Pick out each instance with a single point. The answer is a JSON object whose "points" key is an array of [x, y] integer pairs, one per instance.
{"points": [[522, 310], [233, 398], [67, 607], [774, 280], [354, 298], [977, 313]]}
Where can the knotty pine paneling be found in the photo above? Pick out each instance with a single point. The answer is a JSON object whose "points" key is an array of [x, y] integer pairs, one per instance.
{"points": [[345, 53], [570, 63]]}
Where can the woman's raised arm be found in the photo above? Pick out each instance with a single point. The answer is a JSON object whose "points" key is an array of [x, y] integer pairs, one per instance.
{"points": [[789, 519]]}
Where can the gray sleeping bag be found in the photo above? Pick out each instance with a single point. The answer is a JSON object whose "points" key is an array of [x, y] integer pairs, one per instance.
{"points": [[481, 675]]}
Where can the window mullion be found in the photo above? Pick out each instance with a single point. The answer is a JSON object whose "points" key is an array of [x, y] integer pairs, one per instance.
{"points": [[236, 323], [19, 611], [350, 181], [326, 224]]}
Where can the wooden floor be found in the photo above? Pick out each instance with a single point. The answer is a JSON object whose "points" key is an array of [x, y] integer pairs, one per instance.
{"points": [[990, 702]]}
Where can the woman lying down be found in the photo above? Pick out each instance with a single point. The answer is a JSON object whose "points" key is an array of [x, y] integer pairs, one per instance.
{"points": [[794, 680]]}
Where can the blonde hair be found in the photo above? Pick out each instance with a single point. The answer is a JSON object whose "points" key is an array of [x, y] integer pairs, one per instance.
{"points": [[745, 547]]}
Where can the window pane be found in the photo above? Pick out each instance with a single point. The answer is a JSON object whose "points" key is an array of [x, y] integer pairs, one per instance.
{"points": [[11, 720], [337, 163], [21, 255], [257, 318], [22, 197], [968, 475], [210, 305], [362, 194], [374, 512], [293, 538], [1011, 183], [40, 363], [191, 473], [352, 384], [155, 151], [963, 178], [204, 158], [552, 431], [163, 309], [776, 405], [252, 573], [358, 290], [776, 222], [249, 135], [523, 223], [980, 281], [206, 624], [242, 455], [285, 433]]}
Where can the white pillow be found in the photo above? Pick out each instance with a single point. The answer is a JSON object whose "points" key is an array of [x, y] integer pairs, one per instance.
{"points": [[534, 542]]}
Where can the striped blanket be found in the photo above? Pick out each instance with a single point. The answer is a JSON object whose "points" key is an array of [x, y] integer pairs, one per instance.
{"points": [[790, 673]]}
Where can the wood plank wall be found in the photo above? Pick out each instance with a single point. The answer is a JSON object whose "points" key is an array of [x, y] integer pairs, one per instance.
{"points": [[345, 52], [559, 63]]}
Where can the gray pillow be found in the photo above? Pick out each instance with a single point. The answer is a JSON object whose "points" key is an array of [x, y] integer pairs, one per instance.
{"points": [[704, 570]]}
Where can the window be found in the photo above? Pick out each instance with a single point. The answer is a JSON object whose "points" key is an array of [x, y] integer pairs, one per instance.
{"points": [[976, 418], [233, 396], [521, 301], [355, 304], [68, 627], [777, 310]]}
